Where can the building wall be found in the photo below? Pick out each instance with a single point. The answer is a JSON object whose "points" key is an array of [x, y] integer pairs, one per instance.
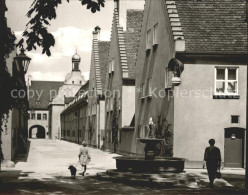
{"points": [[42, 122], [128, 105], [91, 134], [73, 124], [113, 83], [199, 117], [11, 137], [16, 125], [54, 120], [102, 122], [76, 78], [7, 139], [153, 65]]}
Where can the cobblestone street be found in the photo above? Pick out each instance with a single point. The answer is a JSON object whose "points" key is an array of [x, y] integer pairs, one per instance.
{"points": [[46, 172]]}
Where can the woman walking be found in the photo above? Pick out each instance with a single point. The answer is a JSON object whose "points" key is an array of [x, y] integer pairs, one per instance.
{"points": [[84, 156], [213, 160]]}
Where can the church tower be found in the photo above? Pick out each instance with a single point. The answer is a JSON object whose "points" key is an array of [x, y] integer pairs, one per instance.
{"points": [[76, 59]]}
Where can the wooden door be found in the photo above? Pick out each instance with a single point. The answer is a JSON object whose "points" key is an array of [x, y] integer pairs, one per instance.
{"points": [[234, 148]]}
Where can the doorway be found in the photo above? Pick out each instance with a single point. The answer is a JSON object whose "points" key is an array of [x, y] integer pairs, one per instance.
{"points": [[234, 148]]}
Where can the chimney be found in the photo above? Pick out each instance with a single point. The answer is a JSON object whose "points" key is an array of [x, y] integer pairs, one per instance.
{"points": [[96, 33]]}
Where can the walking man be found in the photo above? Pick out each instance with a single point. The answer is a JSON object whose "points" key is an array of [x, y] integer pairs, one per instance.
{"points": [[213, 160]]}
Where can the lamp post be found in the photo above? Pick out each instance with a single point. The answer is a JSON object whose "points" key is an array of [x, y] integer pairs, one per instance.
{"points": [[21, 63]]}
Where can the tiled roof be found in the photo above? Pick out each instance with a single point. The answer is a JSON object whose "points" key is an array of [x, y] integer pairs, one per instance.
{"points": [[103, 47], [213, 26], [46, 90], [132, 37], [69, 99]]}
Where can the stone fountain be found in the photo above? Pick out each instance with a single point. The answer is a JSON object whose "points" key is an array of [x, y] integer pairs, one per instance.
{"points": [[149, 171], [150, 164]]}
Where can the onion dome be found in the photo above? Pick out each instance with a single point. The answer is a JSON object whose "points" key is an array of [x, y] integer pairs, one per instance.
{"points": [[76, 58]]}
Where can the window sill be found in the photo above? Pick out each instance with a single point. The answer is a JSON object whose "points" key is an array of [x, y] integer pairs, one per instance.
{"points": [[155, 45], [146, 97], [148, 50], [226, 96], [167, 88]]}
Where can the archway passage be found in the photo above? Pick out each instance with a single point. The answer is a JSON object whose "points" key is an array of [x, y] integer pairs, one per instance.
{"points": [[37, 131]]}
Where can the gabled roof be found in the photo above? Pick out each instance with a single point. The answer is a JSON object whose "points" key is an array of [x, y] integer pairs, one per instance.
{"points": [[128, 41], [213, 26], [42, 92], [132, 37]]}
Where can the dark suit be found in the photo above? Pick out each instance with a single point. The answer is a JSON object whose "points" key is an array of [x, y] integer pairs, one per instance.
{"points": [[213, 159]]}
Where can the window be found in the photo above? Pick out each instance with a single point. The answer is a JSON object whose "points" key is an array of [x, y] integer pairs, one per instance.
{"points": [[235, 119], [110, 68], [28, 116], [149, 39], [143, 90], [111, 103], [33, 116], [38, 116], [168, 78], [226, 81], [150, 86], [113, 65], [44, 116], [80, 82], [72, 82], [155, 35]]}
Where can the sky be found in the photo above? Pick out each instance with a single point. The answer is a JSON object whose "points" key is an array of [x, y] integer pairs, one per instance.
{"points": [[72, 29]]}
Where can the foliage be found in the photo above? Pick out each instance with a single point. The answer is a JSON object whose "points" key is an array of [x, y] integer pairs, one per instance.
{"points": [[164, 131], [115, 125], [40, 14]]}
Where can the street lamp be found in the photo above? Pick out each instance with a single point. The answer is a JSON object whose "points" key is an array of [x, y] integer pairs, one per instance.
{"points": [[22, 61]]}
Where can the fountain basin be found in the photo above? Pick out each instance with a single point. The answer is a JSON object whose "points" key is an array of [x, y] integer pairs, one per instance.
{"points": [[134, 164], [150, 146]]}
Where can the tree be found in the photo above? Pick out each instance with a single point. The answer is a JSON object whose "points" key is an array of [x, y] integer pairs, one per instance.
{"points": [[40, 13], [35, 34]]}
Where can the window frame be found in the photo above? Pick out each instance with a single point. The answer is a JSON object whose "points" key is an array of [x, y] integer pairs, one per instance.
{"points": [[143, 90], [155, 35], [238, 117], [149, 83], [44, 114], [38, 114], [226, 81], [168, 77], [149, 39]]}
